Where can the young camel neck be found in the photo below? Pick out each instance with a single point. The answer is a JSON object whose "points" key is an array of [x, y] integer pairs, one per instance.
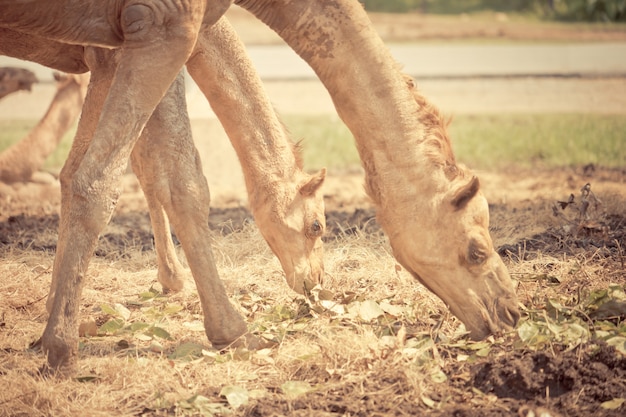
{"points": [[266, 154]]}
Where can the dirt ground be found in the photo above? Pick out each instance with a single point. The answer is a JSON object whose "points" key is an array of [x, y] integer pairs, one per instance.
{"points": [[556, 381]]}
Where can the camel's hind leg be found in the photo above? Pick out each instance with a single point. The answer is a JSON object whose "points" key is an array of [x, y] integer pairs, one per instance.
{"points": [[141, 78], [169, 168], [171, 274]]}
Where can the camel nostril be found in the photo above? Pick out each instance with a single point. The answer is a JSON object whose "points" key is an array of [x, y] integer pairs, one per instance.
{"points": [[511, 316]]}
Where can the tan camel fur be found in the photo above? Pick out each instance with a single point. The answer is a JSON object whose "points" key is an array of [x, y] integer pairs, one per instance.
{"points": [[20, 161], [432, 210], [287, 203], [15, 79], [292, 203]]}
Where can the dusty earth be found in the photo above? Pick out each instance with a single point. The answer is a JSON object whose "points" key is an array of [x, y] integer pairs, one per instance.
{"points": [[555, 381]]}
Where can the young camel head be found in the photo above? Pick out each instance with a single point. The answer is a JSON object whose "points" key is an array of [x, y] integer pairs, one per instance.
{"points": [[293, 222]]}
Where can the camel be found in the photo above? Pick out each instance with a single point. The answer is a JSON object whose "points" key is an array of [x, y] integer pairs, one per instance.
{"points": [[286, 202], [15, 79], [21, 160], [430, 207]]}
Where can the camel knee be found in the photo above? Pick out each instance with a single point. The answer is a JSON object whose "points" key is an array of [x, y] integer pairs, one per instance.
{"points": [[92, 201], [141, 21]]}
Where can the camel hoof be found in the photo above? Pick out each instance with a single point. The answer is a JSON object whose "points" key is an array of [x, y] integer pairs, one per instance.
{"points": [[171, 282], [61, 372], [248, 341], [61, 355]]}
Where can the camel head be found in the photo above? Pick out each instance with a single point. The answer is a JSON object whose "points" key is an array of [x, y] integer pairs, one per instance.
{"points": [[447, 247], [293, 225], [15, 79]]}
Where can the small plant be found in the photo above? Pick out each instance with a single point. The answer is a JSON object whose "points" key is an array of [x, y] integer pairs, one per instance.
{"points": [[584, 216]]}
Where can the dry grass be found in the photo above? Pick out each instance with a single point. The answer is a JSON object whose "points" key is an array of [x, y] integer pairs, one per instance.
{"points": [[381, 364], [135, 376]]}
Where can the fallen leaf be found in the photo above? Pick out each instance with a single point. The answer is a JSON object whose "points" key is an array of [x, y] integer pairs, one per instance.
{"points": [[187, 351], [369, 310], [613, 404], [293, 389], [235, 395]]}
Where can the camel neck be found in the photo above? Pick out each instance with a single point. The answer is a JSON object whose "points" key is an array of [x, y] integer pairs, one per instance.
{"points": [[396, 132]]}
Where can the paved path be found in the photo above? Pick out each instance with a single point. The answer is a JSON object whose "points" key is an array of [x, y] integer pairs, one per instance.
{"points": [[443, 60], [459, 79], [470, 60]]}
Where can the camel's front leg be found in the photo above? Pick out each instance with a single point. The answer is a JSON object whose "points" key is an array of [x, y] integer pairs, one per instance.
{"points": [[168, 166], [150, 58]]}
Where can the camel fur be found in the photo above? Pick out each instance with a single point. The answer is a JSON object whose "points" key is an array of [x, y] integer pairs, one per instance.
{"points": [[431, 209]]}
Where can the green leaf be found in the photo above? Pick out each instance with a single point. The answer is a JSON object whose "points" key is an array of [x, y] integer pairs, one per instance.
{"points": [[199, 404], [428, 402], [172, 309], [118, 310], [138, 326], [112, 326], [122, 311], [619, 342], [484, 352], [391, 309], [613, 404], [107, 309], [527, 331], [187, 351], [333, 306], [438, 376], [235, 395], [159, 332], [148, 295], [194, 326], [611, 308], [293, 389]]}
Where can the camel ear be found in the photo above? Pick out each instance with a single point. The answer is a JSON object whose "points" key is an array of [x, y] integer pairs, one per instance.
{"points": [[313, 184], [464, 193]]}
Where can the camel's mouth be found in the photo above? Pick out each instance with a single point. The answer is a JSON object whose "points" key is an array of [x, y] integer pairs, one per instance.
{"points": [[483, 319]]}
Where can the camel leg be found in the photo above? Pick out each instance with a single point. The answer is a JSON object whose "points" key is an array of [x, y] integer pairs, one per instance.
{"points": [[168, 166], [142, 77], [103, 64], [159, 140], [170, 272]]}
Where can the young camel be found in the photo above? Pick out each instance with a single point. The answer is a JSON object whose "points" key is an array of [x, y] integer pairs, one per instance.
{"points": [[287, 203], [432, 209], [20, 161]]}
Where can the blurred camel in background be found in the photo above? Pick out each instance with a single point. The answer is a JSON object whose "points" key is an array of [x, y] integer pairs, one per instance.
{"points": [[15, 79], [20, 161]]}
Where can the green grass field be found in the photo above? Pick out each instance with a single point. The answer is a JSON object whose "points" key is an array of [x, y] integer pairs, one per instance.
{"points": [[487, 142]]}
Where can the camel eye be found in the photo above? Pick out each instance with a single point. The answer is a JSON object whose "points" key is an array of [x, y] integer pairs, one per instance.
{"points": [[316, 229], [476, 254]]}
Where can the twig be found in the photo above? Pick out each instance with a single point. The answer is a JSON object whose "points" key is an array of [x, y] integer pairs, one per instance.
{"points": [[30, 303], [620, 252]]}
